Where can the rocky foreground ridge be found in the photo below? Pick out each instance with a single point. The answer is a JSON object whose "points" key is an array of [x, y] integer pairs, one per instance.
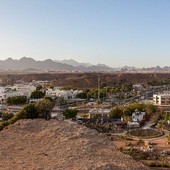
{"points": [[59, 145]]}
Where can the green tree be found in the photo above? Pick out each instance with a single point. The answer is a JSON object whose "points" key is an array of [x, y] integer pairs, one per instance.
{"points": [[49, 98], [31, 111], [167, 116], [127, 111], [37, 94], [70, 113], [1, 114], [150, 109], [17, 100], [82, 95], [44, 108], [117, 112], [39, 87], [28, 112], [6, 116], [3, 124], [133, 106]]}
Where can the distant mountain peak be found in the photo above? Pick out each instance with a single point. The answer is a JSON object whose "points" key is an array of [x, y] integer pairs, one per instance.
{"points": [[102, 65], [26, 59], [48, 60], [9, 59], [70, 62], [74, 63]]}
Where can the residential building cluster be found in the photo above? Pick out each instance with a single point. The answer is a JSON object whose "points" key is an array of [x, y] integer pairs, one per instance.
{"points": [[65, 94], [15, 90], [26, 90]]}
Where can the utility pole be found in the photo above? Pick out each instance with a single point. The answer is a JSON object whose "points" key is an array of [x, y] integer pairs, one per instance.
{"points": [[98, 98]]}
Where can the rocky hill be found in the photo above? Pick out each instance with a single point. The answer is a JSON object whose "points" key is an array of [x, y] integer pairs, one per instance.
{"points": [[59, 145], [85, 80]]}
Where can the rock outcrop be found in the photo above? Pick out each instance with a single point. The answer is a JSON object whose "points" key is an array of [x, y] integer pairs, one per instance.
{"points": [[59, 145]]}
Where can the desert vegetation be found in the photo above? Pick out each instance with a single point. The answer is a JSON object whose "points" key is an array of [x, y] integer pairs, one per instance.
{"points": [[30, 111]]}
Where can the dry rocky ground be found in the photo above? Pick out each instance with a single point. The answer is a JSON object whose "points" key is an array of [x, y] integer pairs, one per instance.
{"points": [[59, 145]]}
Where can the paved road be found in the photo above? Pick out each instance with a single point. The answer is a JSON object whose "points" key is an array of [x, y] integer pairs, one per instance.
{"points": [[148, 124]]}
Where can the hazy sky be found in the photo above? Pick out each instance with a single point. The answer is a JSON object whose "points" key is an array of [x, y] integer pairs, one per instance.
{"points": [[113, 32]]}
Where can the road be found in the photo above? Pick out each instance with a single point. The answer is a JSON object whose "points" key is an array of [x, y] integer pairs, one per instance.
{"points": [[148, 124]]}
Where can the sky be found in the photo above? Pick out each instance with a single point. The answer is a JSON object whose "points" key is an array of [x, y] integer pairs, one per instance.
{"points": [[111, 32]]}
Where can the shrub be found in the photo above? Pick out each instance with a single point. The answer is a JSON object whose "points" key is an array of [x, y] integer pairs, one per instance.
{"points": [[3, 124], [31, 111], [116, 112], [6, 115], [70, 113], [128, 144], [140, 141]]}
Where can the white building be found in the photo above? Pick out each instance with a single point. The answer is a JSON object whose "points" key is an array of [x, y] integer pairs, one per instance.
{"points": [[16, 90], [99, 111], [66, 94], [42, 83], [133, 124], [138, 87], [137, 116], [6, 92], [162, 99], [24, 90]]}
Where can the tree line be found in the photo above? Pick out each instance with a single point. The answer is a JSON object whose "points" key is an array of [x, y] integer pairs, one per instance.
{"points": [[104, 91], [17, 100]]}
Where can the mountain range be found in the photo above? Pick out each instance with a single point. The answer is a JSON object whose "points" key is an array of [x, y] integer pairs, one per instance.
{"points": [[31, 65]]}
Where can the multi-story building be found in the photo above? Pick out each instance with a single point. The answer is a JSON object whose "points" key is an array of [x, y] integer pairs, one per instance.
{"points": [[162, 99]]}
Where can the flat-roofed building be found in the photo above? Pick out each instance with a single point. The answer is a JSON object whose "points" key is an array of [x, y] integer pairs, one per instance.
{"points": [[66, 94], [99, 112], [162, 99]]}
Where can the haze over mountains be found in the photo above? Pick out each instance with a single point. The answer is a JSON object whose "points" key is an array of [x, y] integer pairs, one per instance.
{"points": [[73, 63], [30, 65]]}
